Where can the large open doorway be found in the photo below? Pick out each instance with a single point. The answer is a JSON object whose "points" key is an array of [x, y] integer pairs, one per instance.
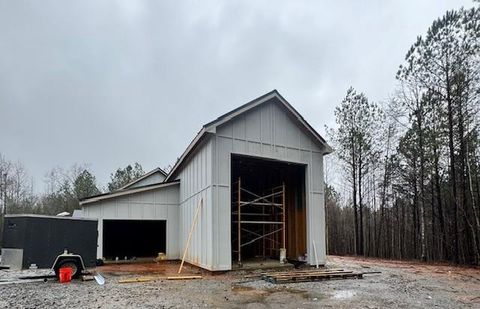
{"points": [[133, 238], [268, 209]]}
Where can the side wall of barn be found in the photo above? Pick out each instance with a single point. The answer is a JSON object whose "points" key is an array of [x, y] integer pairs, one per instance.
{"points": [[196, 186], [158, 204]]}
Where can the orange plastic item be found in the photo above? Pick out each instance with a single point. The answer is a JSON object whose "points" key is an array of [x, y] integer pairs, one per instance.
{"points": [[65, 274]]}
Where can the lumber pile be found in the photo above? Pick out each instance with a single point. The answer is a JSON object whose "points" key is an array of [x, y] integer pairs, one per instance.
{"points": [[310, 275]]}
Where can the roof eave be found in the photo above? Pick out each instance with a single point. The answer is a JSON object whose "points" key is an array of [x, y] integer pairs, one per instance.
{"points": [[187, 151], [114, 194]]}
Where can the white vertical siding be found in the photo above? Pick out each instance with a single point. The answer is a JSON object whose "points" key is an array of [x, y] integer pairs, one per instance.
{"points": [[152, 179], [195, 184], [158, 204], [266, 131]]}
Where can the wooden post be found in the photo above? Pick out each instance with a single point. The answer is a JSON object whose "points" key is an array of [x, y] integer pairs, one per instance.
{"points": [[239, 225], [192, 228]]}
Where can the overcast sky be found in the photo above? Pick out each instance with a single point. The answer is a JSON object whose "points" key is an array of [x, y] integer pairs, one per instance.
{"points": [[109, 83]]}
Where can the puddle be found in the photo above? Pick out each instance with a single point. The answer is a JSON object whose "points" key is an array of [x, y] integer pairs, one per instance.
{"points": [[344, 294], [265, 296], [241, 288], [246, 290]]}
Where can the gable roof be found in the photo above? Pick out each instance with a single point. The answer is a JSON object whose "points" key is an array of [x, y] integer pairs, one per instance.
{"points": [[106, 196], [152, 172], [210, 128]]}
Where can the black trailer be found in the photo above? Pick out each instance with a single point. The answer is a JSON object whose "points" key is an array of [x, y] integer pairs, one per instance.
{"points": [[39, 239]]}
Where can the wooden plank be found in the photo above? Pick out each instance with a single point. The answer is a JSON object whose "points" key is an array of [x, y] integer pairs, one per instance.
{"points": [[304, 271], [306, 275], [293, 273], [137, 280], [194, 223], [184, 277], [314, 278], [310, 275], [307, 270]]}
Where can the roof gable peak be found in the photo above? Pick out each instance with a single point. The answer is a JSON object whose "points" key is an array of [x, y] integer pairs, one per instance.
{"points": [[211, 126], [146, 175]]}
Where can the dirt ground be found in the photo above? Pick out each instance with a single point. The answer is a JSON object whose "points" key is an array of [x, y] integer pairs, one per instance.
{"points": [[400, 285]]}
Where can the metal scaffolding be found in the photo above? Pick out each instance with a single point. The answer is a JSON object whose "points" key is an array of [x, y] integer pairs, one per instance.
{"points": [[259, 217]]}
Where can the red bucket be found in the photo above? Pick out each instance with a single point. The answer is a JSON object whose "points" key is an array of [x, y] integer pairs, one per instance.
{"points": [[65, 274]]}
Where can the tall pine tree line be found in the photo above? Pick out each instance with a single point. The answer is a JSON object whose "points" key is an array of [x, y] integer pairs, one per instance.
{"points": [[413, 166]]}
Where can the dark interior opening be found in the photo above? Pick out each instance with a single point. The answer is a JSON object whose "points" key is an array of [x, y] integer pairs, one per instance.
{"points": [[133, 238], [264, 177]]}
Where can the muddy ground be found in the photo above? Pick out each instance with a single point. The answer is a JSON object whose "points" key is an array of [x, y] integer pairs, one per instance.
{"points": [[400, 285]]}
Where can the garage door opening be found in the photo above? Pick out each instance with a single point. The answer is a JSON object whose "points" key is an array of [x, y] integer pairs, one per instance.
{"points": [[133, 238], [268, 209]]}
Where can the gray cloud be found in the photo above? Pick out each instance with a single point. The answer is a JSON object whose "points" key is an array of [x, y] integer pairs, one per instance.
{"points": [[110, 83]]}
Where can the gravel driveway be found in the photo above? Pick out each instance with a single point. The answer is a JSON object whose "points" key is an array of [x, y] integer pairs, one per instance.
{"points": [[400, 285]]}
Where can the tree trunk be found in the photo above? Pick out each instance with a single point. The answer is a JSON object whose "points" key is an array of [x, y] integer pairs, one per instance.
{"points": [[415, 210], [441, 216], [361, 229], [423, 255], [354, 193], [384, 190], [453, 174], [434, 246]]}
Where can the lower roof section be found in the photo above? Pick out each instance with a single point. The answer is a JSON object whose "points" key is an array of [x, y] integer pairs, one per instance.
{"points": [[106, 196]]}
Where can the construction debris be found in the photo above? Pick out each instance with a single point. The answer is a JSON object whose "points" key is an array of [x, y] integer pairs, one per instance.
{"points": [[161, 257], [21, 281], [37, 277], [137, 280], [311, 275], [87, 278], [99, 278], [184, 277]]}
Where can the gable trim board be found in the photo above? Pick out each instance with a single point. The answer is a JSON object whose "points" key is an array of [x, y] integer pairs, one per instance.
{"points": [[144, 177], [267, 127]]}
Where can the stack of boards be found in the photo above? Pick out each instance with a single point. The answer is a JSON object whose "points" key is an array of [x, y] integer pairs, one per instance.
{"points": [[310, 275]]}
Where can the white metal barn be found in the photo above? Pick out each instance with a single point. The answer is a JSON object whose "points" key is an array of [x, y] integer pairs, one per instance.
{"points": [[251, 184]]}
